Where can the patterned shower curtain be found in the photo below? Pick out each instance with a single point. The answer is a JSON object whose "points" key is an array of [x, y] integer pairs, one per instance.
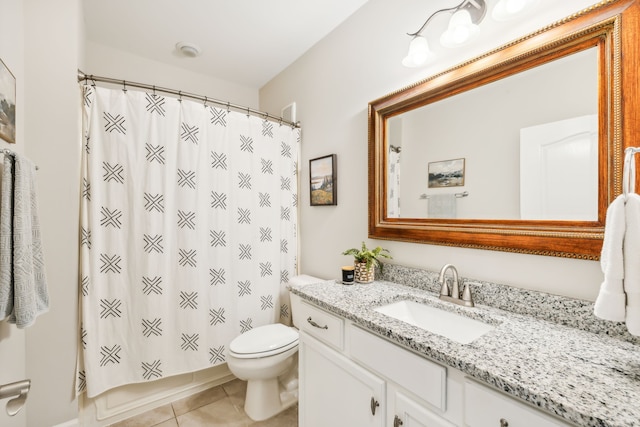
{"points": [[188, 226], [393, 184]]}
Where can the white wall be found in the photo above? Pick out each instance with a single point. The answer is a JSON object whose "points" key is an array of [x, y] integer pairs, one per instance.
{"points": [[12, 340], [106, 61], [53, 35], [332, 85]]}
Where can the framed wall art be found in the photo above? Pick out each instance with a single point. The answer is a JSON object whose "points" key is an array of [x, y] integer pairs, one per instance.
{"points": [[7, 104], [323, 181], [446, 173]]}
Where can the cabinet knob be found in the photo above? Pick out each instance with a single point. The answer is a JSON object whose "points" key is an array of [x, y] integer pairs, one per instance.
{"points": [[397, 422], [315, 325], [374, 405], [504, 423]]}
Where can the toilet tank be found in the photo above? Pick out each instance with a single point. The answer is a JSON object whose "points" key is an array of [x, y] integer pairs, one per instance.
{"points": [[302, 279]]}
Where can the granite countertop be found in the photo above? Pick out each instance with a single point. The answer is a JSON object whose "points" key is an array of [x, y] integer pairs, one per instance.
{"points": [[583, 377]]}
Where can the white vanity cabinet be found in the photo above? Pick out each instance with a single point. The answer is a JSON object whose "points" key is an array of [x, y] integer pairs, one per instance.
{"points": [[351, 377]]}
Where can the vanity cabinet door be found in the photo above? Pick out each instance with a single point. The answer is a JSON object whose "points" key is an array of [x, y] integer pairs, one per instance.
{"points": [[485, 407], [406, 412], [336, 392]]}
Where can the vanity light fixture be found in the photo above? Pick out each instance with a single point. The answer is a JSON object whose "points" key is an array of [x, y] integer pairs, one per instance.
{"points": [[463, 25]]}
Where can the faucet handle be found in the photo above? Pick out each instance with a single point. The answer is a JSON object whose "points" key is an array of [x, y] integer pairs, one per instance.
{"points": [[466, 295]]}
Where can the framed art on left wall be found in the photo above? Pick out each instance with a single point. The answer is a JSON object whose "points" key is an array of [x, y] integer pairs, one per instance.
{"points": [[7, 104]]}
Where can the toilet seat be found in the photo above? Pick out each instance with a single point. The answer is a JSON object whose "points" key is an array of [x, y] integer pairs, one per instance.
{"points": [[264, 341]]}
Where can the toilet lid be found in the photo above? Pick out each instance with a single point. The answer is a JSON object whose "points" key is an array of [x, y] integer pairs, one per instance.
{"points": [[265, 341]]}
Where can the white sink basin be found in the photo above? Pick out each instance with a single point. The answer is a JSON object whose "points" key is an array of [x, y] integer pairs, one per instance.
{"points": [[450, 325]]}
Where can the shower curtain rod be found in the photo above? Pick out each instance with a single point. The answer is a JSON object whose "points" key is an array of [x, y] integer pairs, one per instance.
{"points": [[90, 77]]}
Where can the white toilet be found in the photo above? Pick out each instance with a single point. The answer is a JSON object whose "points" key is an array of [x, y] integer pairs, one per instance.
{"points": [[267, 358]]}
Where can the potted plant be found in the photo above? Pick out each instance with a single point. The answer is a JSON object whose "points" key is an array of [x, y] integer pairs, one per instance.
{"points": [[366, 261]]}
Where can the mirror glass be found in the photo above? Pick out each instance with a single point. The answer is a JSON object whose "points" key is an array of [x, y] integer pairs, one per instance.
{"points": [[524, 147]]}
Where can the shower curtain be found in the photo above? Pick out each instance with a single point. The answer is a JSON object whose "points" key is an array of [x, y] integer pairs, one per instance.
{"points": [[188, 233], [393, 184]]}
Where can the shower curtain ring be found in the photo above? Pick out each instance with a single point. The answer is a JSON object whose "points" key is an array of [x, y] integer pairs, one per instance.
{"points": [[228, 107], [247, 112], [154, 90], [280, 121], [205, 101], [124, 86], [93, 81], [179, 96]]}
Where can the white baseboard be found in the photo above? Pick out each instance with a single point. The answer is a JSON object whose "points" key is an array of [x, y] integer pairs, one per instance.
{"points": [[130, 400], [70, 423]]}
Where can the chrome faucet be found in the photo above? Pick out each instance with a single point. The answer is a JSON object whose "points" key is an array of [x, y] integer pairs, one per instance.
{"points": [[452, 294]]}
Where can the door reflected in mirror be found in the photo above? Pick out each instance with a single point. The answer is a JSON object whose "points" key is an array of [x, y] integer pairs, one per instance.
{"points": [[530, 144]]}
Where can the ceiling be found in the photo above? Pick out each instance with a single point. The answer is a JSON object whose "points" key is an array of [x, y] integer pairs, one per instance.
{"points": [[247, 42]]}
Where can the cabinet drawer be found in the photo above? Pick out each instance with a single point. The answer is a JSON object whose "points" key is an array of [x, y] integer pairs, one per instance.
{"points": [[320, 324], [412, 414], [414, 373], [484, 407]]}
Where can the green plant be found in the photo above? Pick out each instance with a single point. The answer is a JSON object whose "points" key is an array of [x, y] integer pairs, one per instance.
{"points": [[368, 256]]}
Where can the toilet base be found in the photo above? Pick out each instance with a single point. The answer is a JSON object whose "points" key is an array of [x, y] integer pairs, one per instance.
{"points": [[266, 398]]}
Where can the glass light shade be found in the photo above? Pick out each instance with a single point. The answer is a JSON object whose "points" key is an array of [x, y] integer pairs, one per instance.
{"points": [[418, 53], [507, 9], [460, 30]]}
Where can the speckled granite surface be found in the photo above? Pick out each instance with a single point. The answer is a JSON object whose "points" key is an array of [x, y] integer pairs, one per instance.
{"points": [[562, 310], [586, 378]]}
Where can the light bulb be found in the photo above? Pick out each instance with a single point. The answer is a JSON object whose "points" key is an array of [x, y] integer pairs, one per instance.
{"points": [[507, 9], [460, 29], [418, 53]]}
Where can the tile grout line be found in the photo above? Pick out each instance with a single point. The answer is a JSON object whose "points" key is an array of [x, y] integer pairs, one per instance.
{"points": [[175, 417]]}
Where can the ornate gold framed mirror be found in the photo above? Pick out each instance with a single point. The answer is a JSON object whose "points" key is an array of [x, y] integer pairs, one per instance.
{"points": [[527, 186]]}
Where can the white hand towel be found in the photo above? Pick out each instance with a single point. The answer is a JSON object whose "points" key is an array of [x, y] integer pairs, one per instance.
{"points": [[6, 239], [632, 263], [442, 206], [611, 301], [23, 288]]}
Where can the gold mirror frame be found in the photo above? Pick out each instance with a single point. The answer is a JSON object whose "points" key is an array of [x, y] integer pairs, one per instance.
{"points": [[610, 26]]}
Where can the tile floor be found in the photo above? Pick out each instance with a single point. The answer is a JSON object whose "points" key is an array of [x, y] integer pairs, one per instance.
{"points": [[218, 406]]}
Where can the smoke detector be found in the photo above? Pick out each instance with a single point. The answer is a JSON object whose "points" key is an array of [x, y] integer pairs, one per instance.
{"points": [[188, 49]]}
